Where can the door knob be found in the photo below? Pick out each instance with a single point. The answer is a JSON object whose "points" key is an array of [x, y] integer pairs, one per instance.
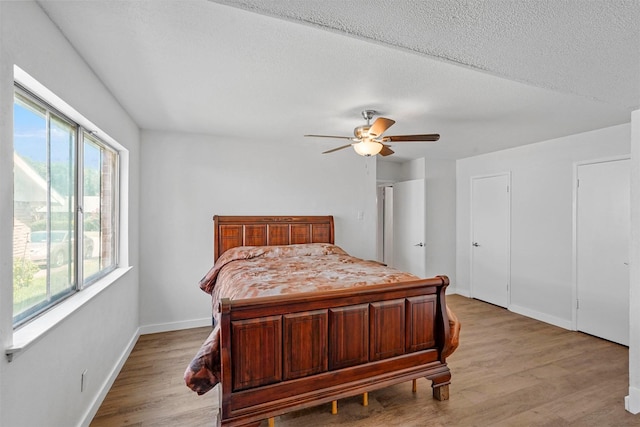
{"points": [[475, 244], [419, 244]]}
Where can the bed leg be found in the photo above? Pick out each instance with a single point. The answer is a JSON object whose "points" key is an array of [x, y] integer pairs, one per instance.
{"points": [[441, 392], [414, 386], [272, 422], [334, 407], [365, 399]]}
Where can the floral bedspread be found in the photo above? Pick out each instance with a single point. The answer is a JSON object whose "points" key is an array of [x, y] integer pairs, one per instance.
{"points": [[258, 271]]}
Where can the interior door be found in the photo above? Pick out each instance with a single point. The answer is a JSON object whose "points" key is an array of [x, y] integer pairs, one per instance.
{"points": [[602, 249], [409, 227], [490, 239]]}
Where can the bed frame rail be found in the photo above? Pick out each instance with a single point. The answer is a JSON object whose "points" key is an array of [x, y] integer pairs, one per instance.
{"points": [[289, 352]]}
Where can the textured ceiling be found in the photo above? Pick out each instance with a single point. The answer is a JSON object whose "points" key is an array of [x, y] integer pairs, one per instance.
{"points": [[486, 75], [589, 48]]}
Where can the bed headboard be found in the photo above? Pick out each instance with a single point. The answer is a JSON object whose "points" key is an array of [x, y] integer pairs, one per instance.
{"points": [[232, 231]]}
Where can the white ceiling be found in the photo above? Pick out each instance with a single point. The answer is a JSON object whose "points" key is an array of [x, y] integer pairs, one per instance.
{"points": [[485, 74]]}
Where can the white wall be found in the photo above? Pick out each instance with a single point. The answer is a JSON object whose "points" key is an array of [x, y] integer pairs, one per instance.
{"points": [[440, 185], [41, 386], [542, 216], [186, 179]]}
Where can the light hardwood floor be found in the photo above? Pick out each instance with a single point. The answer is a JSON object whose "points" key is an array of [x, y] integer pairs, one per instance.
{"points": [[508, 371]]}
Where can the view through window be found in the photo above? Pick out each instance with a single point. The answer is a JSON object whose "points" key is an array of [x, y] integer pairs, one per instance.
{"points": [[57, 162]]}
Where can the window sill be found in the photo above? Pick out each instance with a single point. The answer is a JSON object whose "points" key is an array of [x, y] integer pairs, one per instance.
{"points": [[30, 333]]}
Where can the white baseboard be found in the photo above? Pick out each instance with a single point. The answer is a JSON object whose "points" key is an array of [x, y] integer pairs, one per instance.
{"points": [[632, 402], [174, 326], [148, 329], [102, 393], [461, 292], [543, 317]]}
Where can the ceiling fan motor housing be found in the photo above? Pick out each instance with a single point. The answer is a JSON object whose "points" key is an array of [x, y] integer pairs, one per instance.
{"points": [[361, 131]]}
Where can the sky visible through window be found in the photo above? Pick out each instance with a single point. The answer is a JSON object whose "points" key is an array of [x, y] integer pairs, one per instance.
{"points": [[30, 139]]}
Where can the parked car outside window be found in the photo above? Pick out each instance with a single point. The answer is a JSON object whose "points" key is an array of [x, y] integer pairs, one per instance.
{"points": [[60, 247]]}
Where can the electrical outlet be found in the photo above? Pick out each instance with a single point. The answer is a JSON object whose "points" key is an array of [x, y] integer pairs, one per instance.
{"points": [[83, 379]]}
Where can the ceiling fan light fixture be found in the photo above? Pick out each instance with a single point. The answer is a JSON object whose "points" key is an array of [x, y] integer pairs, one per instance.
{"points": [[368, 140], [367, 147]]}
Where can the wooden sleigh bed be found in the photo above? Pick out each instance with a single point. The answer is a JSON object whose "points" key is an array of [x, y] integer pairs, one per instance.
{"points": [[291, 350]]}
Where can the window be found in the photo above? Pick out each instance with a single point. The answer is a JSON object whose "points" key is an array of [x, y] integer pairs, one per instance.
{"points": [[65, 185]]}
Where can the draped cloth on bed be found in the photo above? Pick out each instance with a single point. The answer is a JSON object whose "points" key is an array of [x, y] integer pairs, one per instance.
{"points": [[258, 271]]}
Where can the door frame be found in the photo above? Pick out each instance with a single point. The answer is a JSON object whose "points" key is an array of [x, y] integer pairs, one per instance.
{"points": [[384, 193], [574, 238], [471, 230]]}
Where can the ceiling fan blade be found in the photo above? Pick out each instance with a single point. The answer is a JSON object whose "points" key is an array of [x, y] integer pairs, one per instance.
{"points": [[336, 149], [412, 138], [380, 126], [331, 136], [386, 151]]}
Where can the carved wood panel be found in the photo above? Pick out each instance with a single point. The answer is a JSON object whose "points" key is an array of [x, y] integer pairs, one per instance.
{"points": [[387, 329], [305, 344], [300, 233], [255, 235], [278, 234], [421, 317], [257, 352], [229, 237], [321, 233], [348, 336]]}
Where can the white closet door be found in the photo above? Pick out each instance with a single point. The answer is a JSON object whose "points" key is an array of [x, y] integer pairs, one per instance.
{"points": [[490, 240], [409, 227], [602, 249]]}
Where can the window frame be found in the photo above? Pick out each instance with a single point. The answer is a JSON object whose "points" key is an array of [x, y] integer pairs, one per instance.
{"points": [[80, 282], [88, 281]]}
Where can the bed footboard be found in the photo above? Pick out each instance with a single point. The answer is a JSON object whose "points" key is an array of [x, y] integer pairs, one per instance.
{"points": [[284, 353]]}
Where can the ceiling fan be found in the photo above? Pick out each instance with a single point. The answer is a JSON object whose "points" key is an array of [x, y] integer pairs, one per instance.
{"points": [[368, 139]]}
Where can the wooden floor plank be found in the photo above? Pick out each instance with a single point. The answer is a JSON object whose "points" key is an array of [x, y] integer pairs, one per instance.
{"points": [[510, 370]]}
